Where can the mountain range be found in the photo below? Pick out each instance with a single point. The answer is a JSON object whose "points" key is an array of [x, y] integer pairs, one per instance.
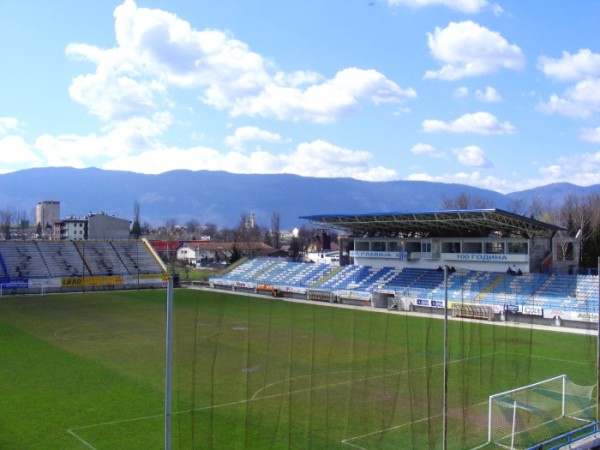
{"points": [[221, 197]]}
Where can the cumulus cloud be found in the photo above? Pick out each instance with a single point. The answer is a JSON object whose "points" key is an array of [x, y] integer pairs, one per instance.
{"points": [[126, 137], [490, 95], [426, 150], [578, 66], [467, 49], [585, 168], [317, 159], [8, 124], [479, 123], [591, 135], [579, 101], [245, 134], [464, 6], [14, 150], [461, 92], [156, 50], [111, 97], [472, 156], [475, 178]]}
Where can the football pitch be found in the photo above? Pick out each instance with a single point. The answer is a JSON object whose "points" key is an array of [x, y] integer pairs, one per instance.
{"points": [[87, 371]]}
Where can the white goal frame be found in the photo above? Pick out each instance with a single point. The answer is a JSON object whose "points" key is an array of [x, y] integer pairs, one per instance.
{"points": [[513, 403]]}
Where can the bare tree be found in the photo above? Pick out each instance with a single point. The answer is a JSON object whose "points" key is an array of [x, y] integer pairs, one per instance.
{"points": [[540, 210], [210, 229], [517, 206], [247, 234], [276, 229], [192, 228], [465, 201], [579, 215], [171, 238], [7, 217], [136, 227]]}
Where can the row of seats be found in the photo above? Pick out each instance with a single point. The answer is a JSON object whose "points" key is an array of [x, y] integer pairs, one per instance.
{"points": [[278, 271], [568, 292], [48, 259]]}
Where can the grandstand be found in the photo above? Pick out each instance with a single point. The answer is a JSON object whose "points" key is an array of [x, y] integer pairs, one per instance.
{"points": [[504, 262], [64, 265]]}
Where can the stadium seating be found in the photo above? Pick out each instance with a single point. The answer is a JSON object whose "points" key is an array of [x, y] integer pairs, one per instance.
{"points": [[62, 259], [279, 271], [567, 292], [28, 260]]}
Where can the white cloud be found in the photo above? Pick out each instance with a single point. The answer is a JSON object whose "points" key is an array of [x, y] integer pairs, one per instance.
{"points": [[8, 124], [591, 135], [244, 134], [464, 6], [582, 64], [131, 136], [461, 92], [325, 102], [317, 159], [427, 150], [579, 101], [370, 85], [585, 168], [582, 99], [490, 95], [479, 123], [475, 179], [14, 150], [157, 50], [111, 97], [472, 156], [467, 49]]}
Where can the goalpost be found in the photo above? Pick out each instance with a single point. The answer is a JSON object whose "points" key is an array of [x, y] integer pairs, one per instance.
{"points": [[531, 414]]}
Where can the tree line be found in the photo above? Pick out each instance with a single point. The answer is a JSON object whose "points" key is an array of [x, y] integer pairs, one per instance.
{"points": [[578, 215]]}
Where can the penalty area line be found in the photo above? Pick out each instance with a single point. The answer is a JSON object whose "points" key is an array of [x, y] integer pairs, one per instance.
{"points": [[255, 398], [348, 442]]}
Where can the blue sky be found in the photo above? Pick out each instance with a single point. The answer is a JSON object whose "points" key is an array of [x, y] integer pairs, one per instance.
{"points": [[503, 95]]}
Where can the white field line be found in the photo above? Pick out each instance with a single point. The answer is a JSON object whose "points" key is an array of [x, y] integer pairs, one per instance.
{"points": [[550, 359], [384, 430], [255, 397]]}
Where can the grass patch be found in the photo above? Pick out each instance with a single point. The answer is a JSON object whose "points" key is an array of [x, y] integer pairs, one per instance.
{"points": [[87, 371]]}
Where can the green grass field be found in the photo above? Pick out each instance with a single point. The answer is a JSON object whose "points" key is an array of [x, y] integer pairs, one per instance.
{"points": [[86, 371]]}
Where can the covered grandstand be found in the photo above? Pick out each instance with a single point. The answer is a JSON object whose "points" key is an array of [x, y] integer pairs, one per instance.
{"points": [[511, 266], [31, 266]]}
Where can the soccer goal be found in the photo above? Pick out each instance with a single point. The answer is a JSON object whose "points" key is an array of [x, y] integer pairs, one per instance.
{"points": [[532, 414]]}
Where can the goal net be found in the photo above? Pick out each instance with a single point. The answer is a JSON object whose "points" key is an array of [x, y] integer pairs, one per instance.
{"points": [[532, 414]]}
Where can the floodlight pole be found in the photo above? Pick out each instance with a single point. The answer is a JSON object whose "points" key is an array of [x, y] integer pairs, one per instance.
{"points": [[444, 399], [168, 363]]}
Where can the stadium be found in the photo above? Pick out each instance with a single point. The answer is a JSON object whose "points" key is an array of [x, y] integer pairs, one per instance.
{"points": [[285, 354], [505, 266]]}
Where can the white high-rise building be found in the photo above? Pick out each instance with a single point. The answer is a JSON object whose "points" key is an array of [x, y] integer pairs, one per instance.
{"points": [[47, 213]]}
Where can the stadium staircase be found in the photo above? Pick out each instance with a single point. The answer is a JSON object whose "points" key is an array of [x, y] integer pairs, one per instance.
{"points": [[487, 289], [233, 266], [326, 277]]}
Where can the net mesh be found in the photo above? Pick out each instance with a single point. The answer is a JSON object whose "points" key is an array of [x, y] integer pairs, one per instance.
{"points": [[538, 412]]}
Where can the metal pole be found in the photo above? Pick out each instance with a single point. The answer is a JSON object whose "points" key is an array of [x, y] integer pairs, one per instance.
{"points": [[168, 363], [444, 405]]}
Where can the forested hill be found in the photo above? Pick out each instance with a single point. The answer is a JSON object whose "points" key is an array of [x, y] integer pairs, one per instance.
{"points": [[221, 197]]}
